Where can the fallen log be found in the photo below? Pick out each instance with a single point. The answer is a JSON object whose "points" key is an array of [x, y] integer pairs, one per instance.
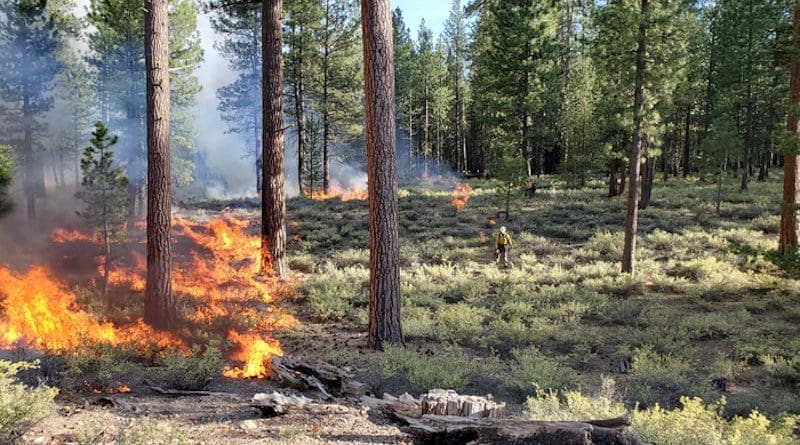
{"points": [[277, 404], [326, 379], [445, 430], [479, 421], [186, 393]]}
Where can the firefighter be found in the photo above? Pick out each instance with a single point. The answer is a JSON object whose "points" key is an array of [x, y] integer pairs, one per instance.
{"points": [[502, 246]]}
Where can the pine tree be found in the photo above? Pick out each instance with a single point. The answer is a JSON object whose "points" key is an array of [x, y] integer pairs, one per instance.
{"points": [[384, 296], [240, 101], [159, 304], [6, 174], [340, 78], [789, 227], [117, 57], [303, 16], [104, 190], [455, 32], [28, 66], [273, 199]]}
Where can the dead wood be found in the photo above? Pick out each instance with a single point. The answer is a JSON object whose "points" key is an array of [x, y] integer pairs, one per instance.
{"points": [[116, 402], [326, 379], [185, 393], [432, 429], [479, 422], [277, 404]]}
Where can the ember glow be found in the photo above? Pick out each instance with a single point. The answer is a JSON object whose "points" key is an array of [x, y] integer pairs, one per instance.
{"points": [[345, 194], [461, 195], [215, 275]]}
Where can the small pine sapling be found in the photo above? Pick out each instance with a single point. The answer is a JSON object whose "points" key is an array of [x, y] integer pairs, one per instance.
{"points": [[104, 190], [6, 171]]}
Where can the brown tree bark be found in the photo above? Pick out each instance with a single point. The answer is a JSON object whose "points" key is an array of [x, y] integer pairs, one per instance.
{"points": [[612, 179], [648, 175], [632, 215], [791, 167], [273, 200], [384, 243], [298, 87], [687, 143], [159, 303]]}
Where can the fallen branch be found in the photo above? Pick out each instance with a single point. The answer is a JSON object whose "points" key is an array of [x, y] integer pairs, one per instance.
{"points": [[277, 404], [184, 393], [326, 379]]}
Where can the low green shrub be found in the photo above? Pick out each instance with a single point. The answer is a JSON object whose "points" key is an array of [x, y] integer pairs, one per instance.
{"points": [[692, 423], [20, 406], [450, 368], [534, 371], [189, 372], [102, 367], [658, 379]]}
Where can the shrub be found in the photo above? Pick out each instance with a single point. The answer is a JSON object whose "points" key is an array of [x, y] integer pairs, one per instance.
{"points": [[20, 407], [450, 368], [534, 371], [101, 367], [694, 422], [192, 372], [658, 378], [460, 322]]}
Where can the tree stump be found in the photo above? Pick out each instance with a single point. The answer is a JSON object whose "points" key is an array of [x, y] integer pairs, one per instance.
{"points": [[449, 403]]}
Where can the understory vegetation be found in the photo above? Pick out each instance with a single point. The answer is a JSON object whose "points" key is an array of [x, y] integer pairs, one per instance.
{"points": [[703, 319]]}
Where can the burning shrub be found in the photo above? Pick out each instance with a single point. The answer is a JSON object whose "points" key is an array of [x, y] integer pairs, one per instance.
{"points": [[20, 407]]}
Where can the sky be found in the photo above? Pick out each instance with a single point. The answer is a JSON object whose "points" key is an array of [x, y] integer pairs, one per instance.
{"points": [[435, 13]]}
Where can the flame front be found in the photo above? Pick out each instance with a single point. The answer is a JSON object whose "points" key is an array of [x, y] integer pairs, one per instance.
{"points": [[215, 272], [345, 194], [255, 352], [461, 195], [42, 313]]}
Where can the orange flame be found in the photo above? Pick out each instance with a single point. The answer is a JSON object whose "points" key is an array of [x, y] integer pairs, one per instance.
{"points": [[62, 236], [255, 352], [461, 195], [215, 269], [345, 194], [42, 313]]}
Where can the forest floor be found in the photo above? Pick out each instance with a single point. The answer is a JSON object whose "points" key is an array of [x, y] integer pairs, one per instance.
{"points": [[707, 314]]}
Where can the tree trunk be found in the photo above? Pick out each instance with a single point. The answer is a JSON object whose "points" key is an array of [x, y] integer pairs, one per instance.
{"points": [[384, 245], [791, 170], [31, 177], [687, 143], [612, 179], [159, 304], [300, 114], [632, 215], [326, 112], [273, 201], [747, 148], [647, 182]]}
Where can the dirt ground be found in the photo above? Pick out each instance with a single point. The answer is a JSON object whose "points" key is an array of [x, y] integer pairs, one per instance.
{"points": [[141, 417]]}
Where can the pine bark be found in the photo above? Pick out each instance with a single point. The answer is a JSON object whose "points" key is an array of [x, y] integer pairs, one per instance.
{"points": [[632, 215], [791, 167], [159, 304], [384, 244], [273, 200], [687, 143], [326, 112]]}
